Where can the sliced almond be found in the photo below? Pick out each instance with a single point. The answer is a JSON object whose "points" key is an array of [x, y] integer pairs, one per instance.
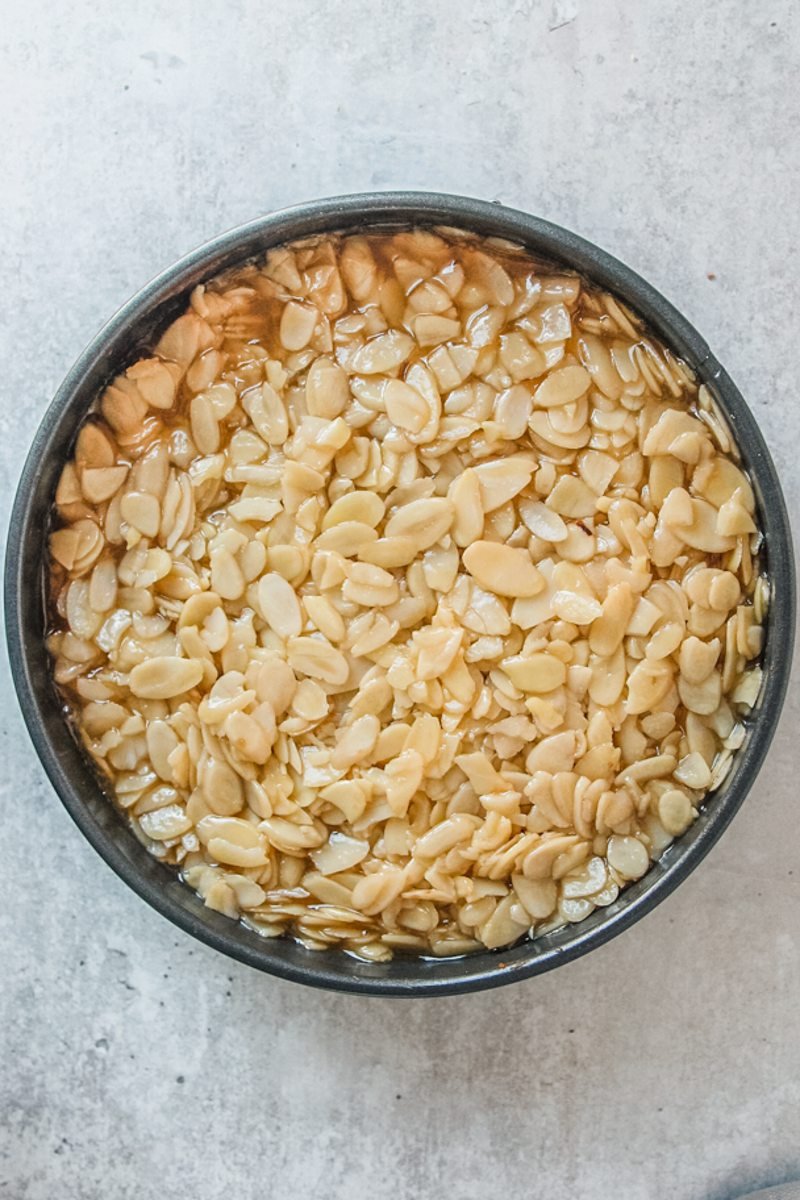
{"points": [[502, 479], [279, 605], [165, 676], [503, 570]]}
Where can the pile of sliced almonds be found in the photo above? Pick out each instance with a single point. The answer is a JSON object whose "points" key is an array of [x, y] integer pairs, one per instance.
{"points": [[406, 595]]}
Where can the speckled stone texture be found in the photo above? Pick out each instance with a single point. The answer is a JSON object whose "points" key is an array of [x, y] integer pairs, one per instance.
{"points": [[136, 1063]]}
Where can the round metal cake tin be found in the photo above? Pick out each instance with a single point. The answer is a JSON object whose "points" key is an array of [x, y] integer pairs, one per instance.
{"points": [[132, 331]]}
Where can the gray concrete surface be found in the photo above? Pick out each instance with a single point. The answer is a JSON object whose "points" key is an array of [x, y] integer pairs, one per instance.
{"points": [[136, 1063]]}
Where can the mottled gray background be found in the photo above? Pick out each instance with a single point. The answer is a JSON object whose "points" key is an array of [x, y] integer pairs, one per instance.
{"points": [[137, 1063]]}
